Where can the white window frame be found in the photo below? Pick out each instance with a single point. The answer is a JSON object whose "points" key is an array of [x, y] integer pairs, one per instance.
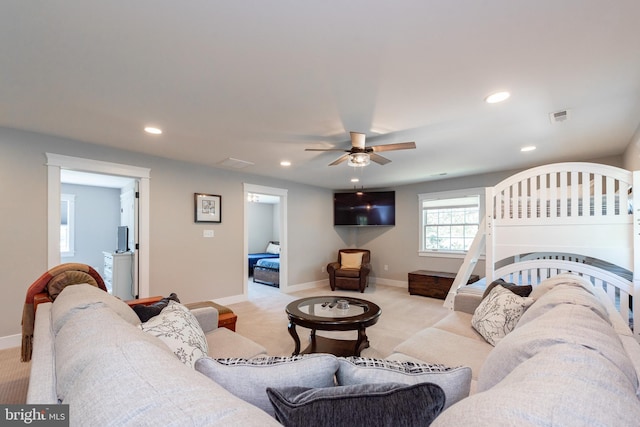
{"points": [[442, 195], [71, 224]]}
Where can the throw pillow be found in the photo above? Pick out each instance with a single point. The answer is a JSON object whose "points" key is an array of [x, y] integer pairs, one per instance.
{"points": [[455, 382], [351, 260], [521, 290], [180, 330], [387, 404], [248, 379], [272, 248], [498, 314], [146, 312]]}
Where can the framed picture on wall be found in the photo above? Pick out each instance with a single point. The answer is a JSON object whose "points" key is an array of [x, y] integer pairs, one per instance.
{"points": [[208, 207]]}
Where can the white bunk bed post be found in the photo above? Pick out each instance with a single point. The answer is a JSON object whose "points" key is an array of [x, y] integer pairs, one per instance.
{"points": [[469, 263]]}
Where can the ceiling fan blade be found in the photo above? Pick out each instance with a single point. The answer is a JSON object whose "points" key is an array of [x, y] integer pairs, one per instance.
{"points": [[326, 149], [379, 159], [340, 159], [391, 147]]}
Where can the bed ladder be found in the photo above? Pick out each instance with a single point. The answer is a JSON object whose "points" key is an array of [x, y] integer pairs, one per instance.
{"points": [[469, 263]]}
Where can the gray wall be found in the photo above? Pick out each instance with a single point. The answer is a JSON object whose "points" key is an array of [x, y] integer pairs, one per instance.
{"points": [[261, 220], [97, 217], [181, 260]]}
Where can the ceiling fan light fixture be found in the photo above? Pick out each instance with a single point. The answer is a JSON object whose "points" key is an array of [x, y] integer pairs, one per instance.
{"points": [[359, 160]]}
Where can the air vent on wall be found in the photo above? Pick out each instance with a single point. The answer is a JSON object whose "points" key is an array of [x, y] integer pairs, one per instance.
{"points": [[559, 116]]}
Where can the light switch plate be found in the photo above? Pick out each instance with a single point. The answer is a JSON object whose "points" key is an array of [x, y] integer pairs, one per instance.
{"points": [[207, 233]]}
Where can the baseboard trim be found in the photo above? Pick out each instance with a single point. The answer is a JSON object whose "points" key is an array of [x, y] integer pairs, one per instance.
{"points": [[10, 341], [389, 282]]}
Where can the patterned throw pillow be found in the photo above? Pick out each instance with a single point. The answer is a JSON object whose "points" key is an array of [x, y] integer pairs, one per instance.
{"points": [[248, 379], [456, 382], [499, 313], [180, 330]]}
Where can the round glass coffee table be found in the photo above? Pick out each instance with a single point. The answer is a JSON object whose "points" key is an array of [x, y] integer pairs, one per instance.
{"points": [[331, 313]]}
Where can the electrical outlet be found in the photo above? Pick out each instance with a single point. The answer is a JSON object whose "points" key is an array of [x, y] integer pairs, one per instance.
{"points": [[386, 267], [322, 269]]}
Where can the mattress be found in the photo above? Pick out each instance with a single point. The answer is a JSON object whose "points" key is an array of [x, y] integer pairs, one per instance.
{"points": [[254, 258], [270, 263]]}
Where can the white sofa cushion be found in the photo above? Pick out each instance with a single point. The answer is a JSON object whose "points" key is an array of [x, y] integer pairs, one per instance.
{"points": [[433, 345], [564, 324], [249, 378], [564, 385], [136, 384], [87, 334], [177, 327], [81, 296], [455, 382]]}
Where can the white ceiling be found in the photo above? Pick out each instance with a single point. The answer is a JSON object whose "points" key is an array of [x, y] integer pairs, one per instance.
{"points": [[261, 81]]}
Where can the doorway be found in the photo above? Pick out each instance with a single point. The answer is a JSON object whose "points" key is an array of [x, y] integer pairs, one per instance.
{"points": [[280, 227], [56, 164]]}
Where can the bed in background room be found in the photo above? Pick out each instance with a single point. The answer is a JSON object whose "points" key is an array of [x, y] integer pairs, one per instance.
{"points": [[267, 272], [272, 251], [563, 217]]}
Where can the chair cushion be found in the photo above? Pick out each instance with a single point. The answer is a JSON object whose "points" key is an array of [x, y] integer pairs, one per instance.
{"points": [[349, 272]]}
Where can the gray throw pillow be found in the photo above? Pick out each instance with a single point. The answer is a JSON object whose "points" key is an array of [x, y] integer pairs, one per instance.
{"points": [[520, 290], [456, 382], [248, 379], [387, 404]]}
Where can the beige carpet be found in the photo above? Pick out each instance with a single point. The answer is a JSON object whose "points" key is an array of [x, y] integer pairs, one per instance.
{"points": [[14, 377], [264, 320]]}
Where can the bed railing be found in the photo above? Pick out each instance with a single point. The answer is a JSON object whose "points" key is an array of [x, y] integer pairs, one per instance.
{"points": [[618, 289], [562, 190]]}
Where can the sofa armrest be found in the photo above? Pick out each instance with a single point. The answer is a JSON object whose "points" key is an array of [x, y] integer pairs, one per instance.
{"points": [[42, 379], [466, 303], [207, 317]]}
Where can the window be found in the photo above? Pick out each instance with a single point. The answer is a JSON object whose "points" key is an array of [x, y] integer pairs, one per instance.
{"points": [[67, 224], [449, 220]]}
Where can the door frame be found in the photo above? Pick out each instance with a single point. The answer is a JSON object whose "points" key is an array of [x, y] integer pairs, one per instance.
{"points": [[272, 191], [56, 162]]}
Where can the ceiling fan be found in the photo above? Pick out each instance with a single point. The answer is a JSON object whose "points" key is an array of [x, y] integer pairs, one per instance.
{"points": [[359, 155]]}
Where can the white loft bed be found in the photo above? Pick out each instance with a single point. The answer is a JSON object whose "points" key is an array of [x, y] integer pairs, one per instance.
{"points": [[578, 217]]}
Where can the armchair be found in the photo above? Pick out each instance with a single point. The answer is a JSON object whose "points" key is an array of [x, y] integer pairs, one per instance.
{"points": [[351, 271]]}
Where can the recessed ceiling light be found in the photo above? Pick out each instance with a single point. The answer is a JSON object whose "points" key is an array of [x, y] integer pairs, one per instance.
{"points": [[497, 97], [152, 130], [355, 180], [285, 163], [528, 148]]}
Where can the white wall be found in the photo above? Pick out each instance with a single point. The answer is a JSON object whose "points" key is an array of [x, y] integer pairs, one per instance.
{"points": [[97, 216], [261, 218]]}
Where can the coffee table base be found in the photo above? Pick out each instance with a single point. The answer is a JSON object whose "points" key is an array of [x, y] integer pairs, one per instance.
{"points": [[341, 348]]}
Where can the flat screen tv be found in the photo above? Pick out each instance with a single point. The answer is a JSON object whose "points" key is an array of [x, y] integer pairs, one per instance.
{"points": [[123, 239], [359, 209]]}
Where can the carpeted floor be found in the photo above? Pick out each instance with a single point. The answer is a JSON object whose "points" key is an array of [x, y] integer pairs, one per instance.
{"points": [[262, 318], [14, 377]]}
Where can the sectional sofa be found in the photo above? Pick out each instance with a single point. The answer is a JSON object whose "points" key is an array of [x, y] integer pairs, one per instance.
{"points": [[569, 360]]}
